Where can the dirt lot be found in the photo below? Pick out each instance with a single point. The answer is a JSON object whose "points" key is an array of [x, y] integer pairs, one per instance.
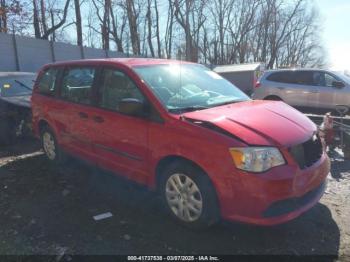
{"points": [[49, 210]]}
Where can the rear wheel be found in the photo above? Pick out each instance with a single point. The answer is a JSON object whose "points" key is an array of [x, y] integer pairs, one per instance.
{"points": [[50, 146], [188, 195]]}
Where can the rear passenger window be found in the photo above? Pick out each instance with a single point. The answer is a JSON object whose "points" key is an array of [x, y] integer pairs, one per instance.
{"points": [[318, 78], [77, 84], [117, 86], [47, 82], [293, 77], [304, 78], [281, 77]]}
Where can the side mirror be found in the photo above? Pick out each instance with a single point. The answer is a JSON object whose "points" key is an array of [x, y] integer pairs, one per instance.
{"points": [[337, 84], [132, 106]]}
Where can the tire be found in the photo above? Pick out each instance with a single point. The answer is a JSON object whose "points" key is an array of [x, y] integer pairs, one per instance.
{"points": [[273, 98], [50, 146], [7, 131], [198, 199]]}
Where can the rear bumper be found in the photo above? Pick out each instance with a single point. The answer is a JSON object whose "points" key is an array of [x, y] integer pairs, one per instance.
{"points": [[277, 196]]}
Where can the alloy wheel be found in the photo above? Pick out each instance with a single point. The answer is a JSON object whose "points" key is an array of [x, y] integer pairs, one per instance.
{"points": [[49, 145], [184, 197]]}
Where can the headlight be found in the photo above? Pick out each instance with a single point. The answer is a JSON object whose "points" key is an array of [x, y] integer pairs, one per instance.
{"points": [[256, 159]]}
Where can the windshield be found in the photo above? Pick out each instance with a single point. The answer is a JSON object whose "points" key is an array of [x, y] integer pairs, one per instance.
{"points": [[344, 78], [189, 87], [16, 86]]}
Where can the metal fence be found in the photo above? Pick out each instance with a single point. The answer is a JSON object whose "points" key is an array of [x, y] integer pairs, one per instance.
{"points": [[19, 53]]}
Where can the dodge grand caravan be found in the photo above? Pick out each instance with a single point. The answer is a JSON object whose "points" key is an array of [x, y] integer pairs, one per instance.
{"points": [[181, 129]]}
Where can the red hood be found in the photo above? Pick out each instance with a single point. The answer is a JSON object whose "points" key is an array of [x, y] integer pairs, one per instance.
{"points": [[259, 122]]}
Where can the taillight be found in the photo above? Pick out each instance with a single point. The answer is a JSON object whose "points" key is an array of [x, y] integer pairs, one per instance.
{"points": [[257, 84]]}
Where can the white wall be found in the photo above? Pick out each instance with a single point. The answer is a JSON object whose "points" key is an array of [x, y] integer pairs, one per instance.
{"points": [[33, 53]]}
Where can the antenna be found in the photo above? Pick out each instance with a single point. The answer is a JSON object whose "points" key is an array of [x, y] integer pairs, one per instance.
{"points": [[180, 78]]}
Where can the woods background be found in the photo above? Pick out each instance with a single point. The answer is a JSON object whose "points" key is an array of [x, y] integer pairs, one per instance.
{"points": [[280, 33]]}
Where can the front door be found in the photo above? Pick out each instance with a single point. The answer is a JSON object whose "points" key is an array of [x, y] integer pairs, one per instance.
{"points": [[330, 96], [120, 140]]}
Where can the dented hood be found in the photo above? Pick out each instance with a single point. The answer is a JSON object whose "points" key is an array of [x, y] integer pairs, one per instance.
{"points": [[259, 122]]}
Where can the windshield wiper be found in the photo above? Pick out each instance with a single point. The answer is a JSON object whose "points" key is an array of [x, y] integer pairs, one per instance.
{"points": [[187, 109], [24, 85]]}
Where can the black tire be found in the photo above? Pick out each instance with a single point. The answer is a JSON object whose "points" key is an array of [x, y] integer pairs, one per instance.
{"points": [[58, 157], [209, 214], [273, 98], [7, 131]]}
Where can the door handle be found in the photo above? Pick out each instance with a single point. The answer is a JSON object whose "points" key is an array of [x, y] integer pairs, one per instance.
{"points": [[314, 92], [98, 119], [83, 115], [281, 88]]}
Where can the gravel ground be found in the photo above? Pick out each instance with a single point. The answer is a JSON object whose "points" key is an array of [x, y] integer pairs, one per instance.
{"points": [[49, 210]]}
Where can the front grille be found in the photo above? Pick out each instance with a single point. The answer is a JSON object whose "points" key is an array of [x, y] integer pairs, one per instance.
{"points": [[307, 153], [291, 204]]}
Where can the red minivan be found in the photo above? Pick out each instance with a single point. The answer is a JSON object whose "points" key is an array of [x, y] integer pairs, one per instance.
{"points": [[181, 129]]}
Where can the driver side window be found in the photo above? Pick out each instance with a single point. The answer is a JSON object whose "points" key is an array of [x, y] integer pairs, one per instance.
{"points": [[329, 79], [115, 87]]}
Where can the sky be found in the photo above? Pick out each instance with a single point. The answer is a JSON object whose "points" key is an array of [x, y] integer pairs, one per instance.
{"points": [[335, 15]]}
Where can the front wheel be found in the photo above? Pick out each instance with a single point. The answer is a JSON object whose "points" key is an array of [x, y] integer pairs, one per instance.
{"points": [[189, 196], [273, 98]]}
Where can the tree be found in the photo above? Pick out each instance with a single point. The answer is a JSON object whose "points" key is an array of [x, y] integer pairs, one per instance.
{"points": [[276, 32], [221, 11], [78, 23], [279, 33], [149, 24], [191, 17], [169, 29], [159, 46], [41, 28], [133, 14], [36, 20], [104, 20], [118, 20], [13, 16]]}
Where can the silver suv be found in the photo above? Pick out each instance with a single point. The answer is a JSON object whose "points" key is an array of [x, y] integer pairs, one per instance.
{"points": [[305, 88]]}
